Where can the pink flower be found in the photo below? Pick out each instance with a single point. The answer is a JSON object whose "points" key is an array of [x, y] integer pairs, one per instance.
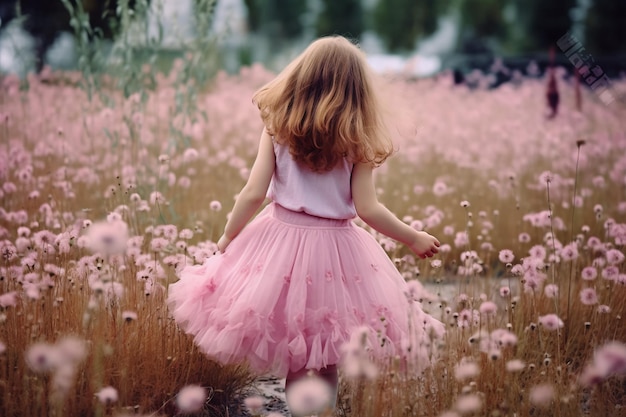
{"points": [[309, 396], [107, 395], [506, 256], [254, 404], [551, 322], [505, 291], [461, 239], [589, 273], [466, 369], [469, 403], [440, 188], [609, 360], [523, 237], [614, 257], [588, 296], [551, 290], [107, 238], [488, 308], [8, 299], [569, 252], [515, 365], [538, 251], [215, 205], [610, 272], [541, 395], [191, 398]]}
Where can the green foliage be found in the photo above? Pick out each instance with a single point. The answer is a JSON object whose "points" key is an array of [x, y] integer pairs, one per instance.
{"points": [[605, 30], [401, 22], [278, 18], [543, 22], [341, 18], [483, 18]]}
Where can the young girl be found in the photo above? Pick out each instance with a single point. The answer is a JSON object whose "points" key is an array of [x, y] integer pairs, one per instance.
{"points": [[286, 291]]}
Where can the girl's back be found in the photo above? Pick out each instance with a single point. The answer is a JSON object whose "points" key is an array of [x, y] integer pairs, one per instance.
{"points": [[323, 194]]}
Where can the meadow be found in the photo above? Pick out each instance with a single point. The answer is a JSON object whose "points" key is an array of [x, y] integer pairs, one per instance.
{"points": [[106, 193]]}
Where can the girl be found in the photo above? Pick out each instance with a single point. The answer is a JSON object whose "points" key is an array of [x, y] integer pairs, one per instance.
{"points": [[286, 291]]}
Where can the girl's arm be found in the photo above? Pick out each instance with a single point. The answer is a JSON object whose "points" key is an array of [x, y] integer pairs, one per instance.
{"points": [[375, 214], [253, 193]]}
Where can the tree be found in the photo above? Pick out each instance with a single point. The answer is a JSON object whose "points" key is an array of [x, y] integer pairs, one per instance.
{"points": [[544, 22], [341, 17], [401, 22], [278, 18], [605, 31]]}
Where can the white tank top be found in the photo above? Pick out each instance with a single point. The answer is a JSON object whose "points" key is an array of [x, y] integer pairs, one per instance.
{"points": [[322, 194]]}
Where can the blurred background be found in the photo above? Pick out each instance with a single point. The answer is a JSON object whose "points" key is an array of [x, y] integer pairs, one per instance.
{"points": [[415, 37]]}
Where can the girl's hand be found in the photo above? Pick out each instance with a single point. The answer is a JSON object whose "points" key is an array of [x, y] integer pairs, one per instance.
{"points": [[223, 243], [424, 245]]}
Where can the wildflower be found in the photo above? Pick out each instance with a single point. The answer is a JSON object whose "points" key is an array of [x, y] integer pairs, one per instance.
{"points": [[191, 398], [448, 230], [569, 252], [8, 299], [158, 244], [466, 369], [440, 188], [610, 272], [309, 396], [551, 322], [44, 239], [185, 234], [465, 204], [588, 296], [538, 252], [589, 273], [488, 308], [515, 365], [541, 395], [614, 257], [215, 205], [190, 155], [523, 237], [107, 238], [505, 291], [506, 256], [551, 290], [546, 177], [604, 309], [42, 357], [107, 395], [468, 404], [156, 198], [254, 404]]}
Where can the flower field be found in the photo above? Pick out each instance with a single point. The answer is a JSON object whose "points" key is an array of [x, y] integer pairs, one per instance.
{"points": [[103, 197]]}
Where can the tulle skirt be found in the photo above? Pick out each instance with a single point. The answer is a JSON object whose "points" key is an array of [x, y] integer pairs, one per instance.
{"points": [[291, 289]]}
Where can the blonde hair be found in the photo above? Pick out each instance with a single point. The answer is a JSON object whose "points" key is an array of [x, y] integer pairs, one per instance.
{"points": [[323, 106]]}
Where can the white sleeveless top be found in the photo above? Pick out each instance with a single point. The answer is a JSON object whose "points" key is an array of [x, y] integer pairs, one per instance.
{"points": [[322, 194]]}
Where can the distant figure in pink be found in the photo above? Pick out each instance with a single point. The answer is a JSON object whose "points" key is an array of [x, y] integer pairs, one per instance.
{"points": [[287, 290]]}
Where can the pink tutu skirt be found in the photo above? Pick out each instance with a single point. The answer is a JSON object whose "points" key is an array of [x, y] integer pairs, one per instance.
{"points": [[289, 291]]}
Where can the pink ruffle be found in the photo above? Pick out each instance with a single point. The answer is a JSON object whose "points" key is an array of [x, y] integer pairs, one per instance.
{"points": [[291, 288]]}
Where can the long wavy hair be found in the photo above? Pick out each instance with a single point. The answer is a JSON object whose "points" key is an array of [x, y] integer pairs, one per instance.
{"points": [[323, 106]]}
